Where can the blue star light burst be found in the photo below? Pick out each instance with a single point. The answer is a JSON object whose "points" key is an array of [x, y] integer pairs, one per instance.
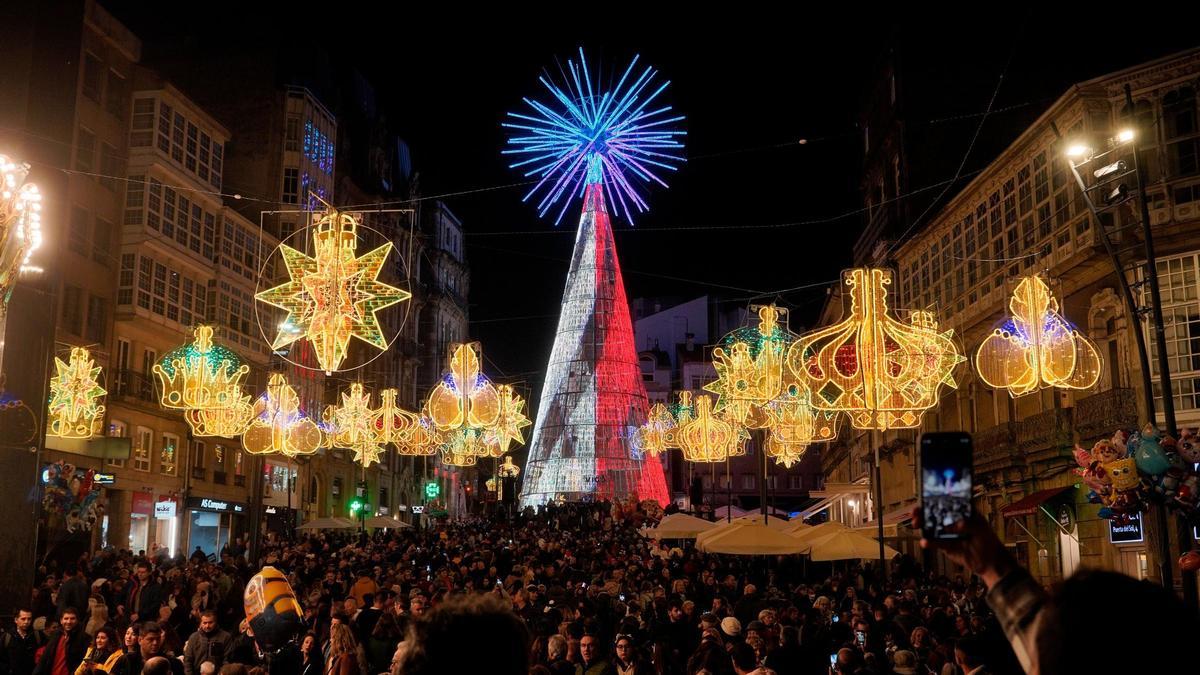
{"points": [[615, 138]]}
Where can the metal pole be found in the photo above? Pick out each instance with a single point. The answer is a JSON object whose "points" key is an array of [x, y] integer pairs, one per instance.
{"points": [[762, 473], [1183, 530], [876, 441]]}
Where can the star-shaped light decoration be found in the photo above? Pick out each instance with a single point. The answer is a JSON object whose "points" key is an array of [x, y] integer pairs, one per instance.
{"points": [[76, 397], [510, 422], [333, 295], [354, 428], [278, 426]]}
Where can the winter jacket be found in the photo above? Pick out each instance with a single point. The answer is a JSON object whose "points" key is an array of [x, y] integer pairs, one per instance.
{"points": [[201, 647], [76, 646]]}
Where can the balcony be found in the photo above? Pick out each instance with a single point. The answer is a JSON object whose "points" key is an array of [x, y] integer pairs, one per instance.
{"points": [[239, 481], [1048, 430], [1098, 415], [996, 448], [135, 386], [219, 478]]}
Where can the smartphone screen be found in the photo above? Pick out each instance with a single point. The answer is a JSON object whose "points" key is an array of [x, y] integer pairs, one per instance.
{"points": [[946, 461], [833, 660]]}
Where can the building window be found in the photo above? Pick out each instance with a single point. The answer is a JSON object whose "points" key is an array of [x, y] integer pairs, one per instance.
{"points": [[1180, 288], [795, 482], [85, 151], [748, 481], [239, 466], [291, 186], [77, 235], [97, 320], [142, 124], [116, 97], [168, 455], [125, 280], [198, 454], [117, 429], [93, 77], [72, 314], [102, 242], [142, 446], [110, 167], [292, 136]]}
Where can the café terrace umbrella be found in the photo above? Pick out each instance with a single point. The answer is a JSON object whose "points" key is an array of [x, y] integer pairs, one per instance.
{"points": [[384, 522], [678, 526], [329, 524], [725, 511], [773, 521], [807, 533], [846, 545], [747, 539]]}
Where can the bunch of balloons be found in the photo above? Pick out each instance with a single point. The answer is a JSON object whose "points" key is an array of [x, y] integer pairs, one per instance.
{"points": [[1132, 469]]}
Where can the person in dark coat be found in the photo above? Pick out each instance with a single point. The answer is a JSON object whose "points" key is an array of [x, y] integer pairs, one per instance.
{"points": [[66, 648], [209, 643], [74, 591], [143, 596], [18, 647]]}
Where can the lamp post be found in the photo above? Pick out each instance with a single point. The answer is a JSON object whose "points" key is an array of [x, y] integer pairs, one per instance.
{"points": [[1115, 193]]}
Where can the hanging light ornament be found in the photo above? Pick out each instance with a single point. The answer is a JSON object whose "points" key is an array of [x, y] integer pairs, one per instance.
{"points": [[706, 437], [230, 421], [884, 374], [1036, 347], [656, 436], [391, 424], [750, 368], [76, 407], [333, 295], [510, 422], [278, 426], [464, 447], [464, 397], [20, 225], [422, 440], [354, 427]]}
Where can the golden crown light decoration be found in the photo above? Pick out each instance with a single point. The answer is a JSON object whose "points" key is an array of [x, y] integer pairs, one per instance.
{"points": [[391, 424], [705, 437], [76, 408], [229, 421], [1036, 347], [20, 225], [200, 375], [464, 447], [278, 426], [791, 428], [750, 367], [423, 440], [333, 295], [881, 372]]}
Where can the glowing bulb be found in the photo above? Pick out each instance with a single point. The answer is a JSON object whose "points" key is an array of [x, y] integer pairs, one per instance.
{"points": [[1078, 150], [1125, 135]]}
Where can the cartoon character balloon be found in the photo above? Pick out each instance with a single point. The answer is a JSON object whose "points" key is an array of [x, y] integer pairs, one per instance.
{"points": [[272, 609], [1147, 450]]}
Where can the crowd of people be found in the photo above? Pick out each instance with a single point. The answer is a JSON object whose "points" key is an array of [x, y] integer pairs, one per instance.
{"points": [[570, 590]]}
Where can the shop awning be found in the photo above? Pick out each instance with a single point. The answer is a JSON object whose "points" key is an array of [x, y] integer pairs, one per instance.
{"points": [[1030, 503], [900, 516]]}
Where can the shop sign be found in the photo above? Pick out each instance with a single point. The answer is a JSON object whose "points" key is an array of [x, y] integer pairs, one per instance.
{"points": [[143, 503], [1066, 519], [402, 508], [271, 511], [418, 509], [220, 505], [164, 510], [1127, 532], [104, 478]]}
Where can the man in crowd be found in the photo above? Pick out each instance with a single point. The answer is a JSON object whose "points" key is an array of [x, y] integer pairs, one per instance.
{"points": [[143, 595], [208, 644], [65, 649], [18, 648]]}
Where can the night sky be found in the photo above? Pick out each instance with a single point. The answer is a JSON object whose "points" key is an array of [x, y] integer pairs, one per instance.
{"points": [[751, 87]]}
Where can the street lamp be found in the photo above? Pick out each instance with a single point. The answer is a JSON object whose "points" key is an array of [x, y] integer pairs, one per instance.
{"points": [[1113, 181]]}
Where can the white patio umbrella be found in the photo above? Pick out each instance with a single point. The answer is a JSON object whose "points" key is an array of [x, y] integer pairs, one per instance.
{"points": [[847, 545], [385, 522], [678, 526], [329, 524], [773, 521], [725, 511], [808, 533], [747, 539]]}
